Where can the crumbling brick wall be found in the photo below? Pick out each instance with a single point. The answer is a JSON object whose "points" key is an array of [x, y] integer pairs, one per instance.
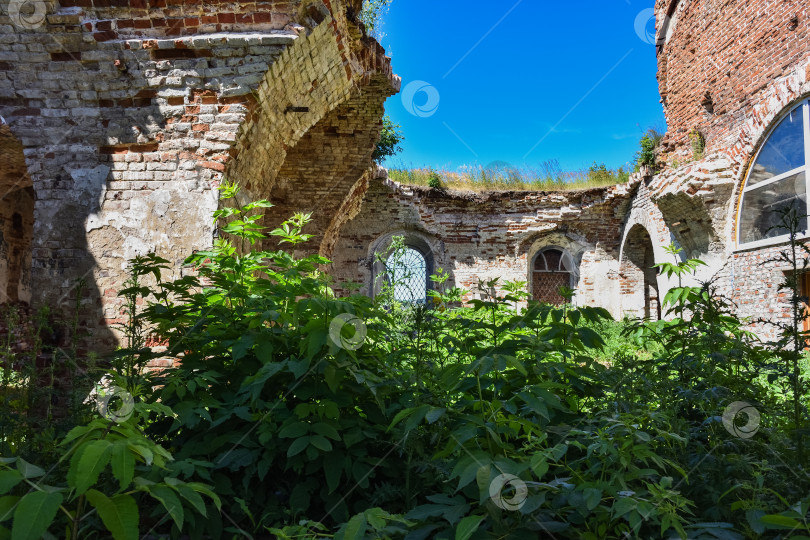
{"points": [[131, 113], [718, 57], [727, 70], [483, 236]]}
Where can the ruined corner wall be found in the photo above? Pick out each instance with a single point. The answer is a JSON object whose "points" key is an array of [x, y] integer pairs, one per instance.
{"points": [[492, 235], [727, 70], [130, 114]]}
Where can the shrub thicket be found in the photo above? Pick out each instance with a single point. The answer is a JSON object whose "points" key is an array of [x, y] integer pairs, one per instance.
{"points": [[295, 414]]}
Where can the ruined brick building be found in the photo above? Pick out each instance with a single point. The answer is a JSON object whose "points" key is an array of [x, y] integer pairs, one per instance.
{"points": [[734, 79], [122, 116]]}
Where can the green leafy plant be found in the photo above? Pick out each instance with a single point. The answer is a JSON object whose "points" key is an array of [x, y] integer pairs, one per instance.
{"points": [[110, 465], [390, 141], [372, 14], [435, 181], [698, 142]]}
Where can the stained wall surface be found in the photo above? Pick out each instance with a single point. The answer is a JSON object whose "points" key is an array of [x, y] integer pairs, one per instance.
{"points": [[479, 237], [130, 114]]}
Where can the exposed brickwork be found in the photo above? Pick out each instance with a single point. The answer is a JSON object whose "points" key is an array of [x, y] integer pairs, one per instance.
{"points": [[130, 113], [481, 237], [729, 69], [720, 58]]}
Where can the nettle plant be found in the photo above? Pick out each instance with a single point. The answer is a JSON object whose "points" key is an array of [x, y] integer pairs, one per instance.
{"points": [[294, 413], [275, 400], [107, 467]]}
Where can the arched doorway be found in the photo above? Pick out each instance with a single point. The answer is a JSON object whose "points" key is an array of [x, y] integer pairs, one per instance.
{"points": [[639, 277], [553, 268]]}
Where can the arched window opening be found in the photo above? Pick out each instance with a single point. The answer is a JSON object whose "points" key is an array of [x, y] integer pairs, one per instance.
{"points": [[553, 268], [408, 275], [639, 276], [777, 181]]}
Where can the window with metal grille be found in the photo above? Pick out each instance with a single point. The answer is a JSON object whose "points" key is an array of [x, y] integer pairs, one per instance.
{"points": [[553, 268], [408, 273]]}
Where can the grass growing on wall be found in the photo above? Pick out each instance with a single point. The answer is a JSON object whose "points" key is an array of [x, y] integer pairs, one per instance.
{"points": [[547, 177]]}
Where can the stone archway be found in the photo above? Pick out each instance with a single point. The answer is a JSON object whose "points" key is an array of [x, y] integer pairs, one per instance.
{"points": [[639, 279], [16, 221]]}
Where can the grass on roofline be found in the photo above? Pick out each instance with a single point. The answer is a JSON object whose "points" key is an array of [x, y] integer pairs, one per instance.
{"points": [[547, 177]]}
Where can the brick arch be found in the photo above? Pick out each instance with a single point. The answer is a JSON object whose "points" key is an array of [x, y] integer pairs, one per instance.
{"points": [[307, 142], [639, 286], [16, 221], [645, 212], [166, 100], [327, 171]]}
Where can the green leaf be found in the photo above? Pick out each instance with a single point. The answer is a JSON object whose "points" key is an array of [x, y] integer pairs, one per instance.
{"points": [[326, 430], [300, 498], [205, 490], [299, 368], [517, 364], [592, 497], [194, 498], [467, 526], [240, 349], [94, 458], [297, 446], [7, 505], [294, 430], [321, 443], [34, 514], [333, 377], [123, 464], [28, 470], [333, 468], [119, 514], [779, 521], [434, 414], [377, 518], [170, 502], [355, 528], [9, 479]]}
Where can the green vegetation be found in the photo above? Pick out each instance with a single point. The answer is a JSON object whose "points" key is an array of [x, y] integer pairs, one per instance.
{"points": [[372, 15], [647, 156], [698, 143], [296, 414], [549, 176], [390, 139]]}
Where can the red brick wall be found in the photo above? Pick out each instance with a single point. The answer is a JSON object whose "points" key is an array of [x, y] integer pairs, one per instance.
{"points": [[721, 56]]}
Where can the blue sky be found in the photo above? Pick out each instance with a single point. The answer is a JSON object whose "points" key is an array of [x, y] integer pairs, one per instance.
{"points": [[522, 81]]}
